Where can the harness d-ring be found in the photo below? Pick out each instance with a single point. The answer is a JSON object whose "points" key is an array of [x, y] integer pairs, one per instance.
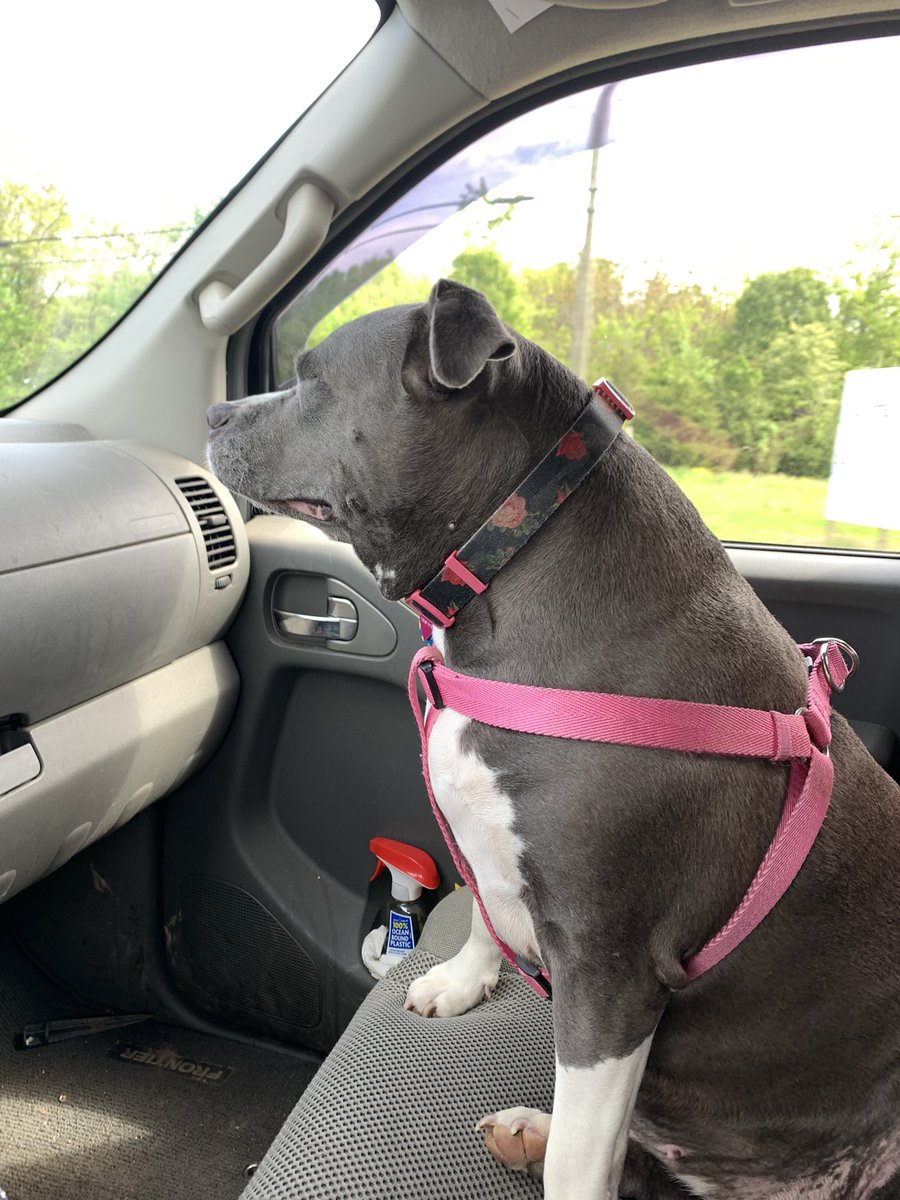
{"points": [[825, 642]]}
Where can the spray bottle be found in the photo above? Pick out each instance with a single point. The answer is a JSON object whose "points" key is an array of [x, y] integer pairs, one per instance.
{"points": [[402, 920]]}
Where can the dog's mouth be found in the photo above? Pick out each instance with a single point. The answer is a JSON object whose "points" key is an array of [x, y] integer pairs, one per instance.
{"points": [[317, 510]]}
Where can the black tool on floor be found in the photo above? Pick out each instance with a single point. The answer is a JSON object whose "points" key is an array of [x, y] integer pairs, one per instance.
{"points": [[48, 1032]]}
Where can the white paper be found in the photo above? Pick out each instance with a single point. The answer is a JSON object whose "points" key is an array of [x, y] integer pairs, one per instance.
{"points": [[516, 13], [864, 488]]}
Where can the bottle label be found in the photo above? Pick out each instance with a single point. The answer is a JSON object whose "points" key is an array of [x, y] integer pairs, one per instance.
{"points": [[401, 937]]}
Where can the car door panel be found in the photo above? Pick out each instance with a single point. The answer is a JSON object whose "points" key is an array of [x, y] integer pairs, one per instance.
{"points": [[269, 846]]}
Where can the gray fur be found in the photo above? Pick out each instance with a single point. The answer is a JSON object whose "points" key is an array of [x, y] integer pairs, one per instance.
{"points": [[780, 1069]]}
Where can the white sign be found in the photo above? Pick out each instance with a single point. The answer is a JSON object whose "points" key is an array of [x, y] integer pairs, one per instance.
{"points": [[864, 488]]}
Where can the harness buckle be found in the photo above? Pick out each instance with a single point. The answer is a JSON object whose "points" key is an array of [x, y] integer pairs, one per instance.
{"points": [[426, 670]]}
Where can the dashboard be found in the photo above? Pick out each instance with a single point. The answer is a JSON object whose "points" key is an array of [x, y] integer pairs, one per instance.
{"points": [[121, 567]]}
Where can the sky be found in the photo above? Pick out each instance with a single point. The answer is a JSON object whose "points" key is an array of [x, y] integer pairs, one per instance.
{"points": [[140, 113], [714, 173]]}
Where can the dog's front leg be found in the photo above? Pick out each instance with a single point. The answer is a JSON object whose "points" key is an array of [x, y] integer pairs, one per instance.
{"points": [[455, 986], [603, 1033], [603, 1038]]}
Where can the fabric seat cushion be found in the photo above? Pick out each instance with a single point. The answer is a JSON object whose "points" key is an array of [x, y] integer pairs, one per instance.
{"points": [[392, 1110]]}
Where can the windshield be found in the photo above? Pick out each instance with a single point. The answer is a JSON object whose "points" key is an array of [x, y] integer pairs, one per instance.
{"points": [[121, 136]]}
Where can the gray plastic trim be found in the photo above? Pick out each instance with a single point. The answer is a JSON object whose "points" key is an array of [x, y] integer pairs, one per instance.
{"points": [[18, 766], [16, 429], [105, 760]]}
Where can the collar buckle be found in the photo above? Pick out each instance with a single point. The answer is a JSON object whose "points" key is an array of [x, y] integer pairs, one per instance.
{"points": [[614, 398], [420, 607]]}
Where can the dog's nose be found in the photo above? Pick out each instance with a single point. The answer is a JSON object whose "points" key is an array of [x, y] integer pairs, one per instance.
{"points": [[218, 415]]}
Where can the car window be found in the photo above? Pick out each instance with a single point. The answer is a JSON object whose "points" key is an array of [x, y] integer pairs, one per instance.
{"points": [[120, 138], [722, 241]]}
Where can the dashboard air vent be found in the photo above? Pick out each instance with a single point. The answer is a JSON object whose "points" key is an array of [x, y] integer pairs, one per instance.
{"points": [[213, 520]]}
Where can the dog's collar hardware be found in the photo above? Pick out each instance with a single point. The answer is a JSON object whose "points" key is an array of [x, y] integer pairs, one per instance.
{"points": [[468, 571], [801, 739], [614, 398], [845, 648]]}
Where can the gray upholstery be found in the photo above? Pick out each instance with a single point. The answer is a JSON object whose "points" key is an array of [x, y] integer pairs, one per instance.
{"points": [[391, 1113]]}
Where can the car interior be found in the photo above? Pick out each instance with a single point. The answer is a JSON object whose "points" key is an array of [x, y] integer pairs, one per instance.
{"points": [[203, 711]]}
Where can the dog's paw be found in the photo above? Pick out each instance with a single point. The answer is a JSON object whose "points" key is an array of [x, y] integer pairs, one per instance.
{"points": [[449, 989], [517, 1138]]}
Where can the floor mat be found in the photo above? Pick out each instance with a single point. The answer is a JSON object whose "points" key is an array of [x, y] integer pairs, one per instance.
{"points": [[149, 1112]]}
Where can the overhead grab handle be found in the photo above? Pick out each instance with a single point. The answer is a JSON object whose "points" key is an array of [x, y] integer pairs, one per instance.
{"points": [[225, 309]]}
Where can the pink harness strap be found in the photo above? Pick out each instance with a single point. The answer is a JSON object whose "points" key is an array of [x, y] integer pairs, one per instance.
{"points": [[800, 738]]}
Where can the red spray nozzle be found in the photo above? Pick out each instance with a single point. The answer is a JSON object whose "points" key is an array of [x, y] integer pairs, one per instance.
{"points": [[411, 868]]}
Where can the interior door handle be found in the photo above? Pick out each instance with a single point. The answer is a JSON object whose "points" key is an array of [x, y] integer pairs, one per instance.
{"points": [[339, 625]]}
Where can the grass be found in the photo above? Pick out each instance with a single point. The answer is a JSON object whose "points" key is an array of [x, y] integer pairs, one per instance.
{"points": [[780, 509]]}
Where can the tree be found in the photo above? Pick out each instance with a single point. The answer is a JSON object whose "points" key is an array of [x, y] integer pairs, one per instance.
{"points": [[549, 301], [483, 268], [869, 313], [761, 407], [662, 348], [390, 286], [61, 291], [775, 301], [30, 224], [747, 414], [802, 376]]}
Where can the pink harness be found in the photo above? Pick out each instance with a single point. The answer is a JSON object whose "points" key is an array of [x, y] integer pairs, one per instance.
{"points": [[800, 739]]}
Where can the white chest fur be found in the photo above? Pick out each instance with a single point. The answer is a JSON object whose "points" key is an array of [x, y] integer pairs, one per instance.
{"points": [[481, 817]]}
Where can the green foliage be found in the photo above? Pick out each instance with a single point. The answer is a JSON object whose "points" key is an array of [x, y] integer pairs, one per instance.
{"points": [[781, 374], [29, 222], [483, 268], [60, 291], [662, 347], [548, 298], [388, 287], [802, 378], [869, 313], [775, 301]]}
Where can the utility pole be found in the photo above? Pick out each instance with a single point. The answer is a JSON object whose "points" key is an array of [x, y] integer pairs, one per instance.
{"points": [[582, 324]]}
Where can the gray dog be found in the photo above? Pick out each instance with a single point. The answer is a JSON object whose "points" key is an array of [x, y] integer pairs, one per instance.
{"points": [[775, 1075]]}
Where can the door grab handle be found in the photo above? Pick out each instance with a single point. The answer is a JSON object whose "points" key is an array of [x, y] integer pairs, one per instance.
{"points": [[224, 308], [339, 625]]}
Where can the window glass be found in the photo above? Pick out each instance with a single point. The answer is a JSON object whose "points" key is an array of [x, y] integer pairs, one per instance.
{"points": [[720, 240], [120, 133]]}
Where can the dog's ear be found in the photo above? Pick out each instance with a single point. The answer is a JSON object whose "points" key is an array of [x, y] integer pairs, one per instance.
{"points": [[464, 333]]}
